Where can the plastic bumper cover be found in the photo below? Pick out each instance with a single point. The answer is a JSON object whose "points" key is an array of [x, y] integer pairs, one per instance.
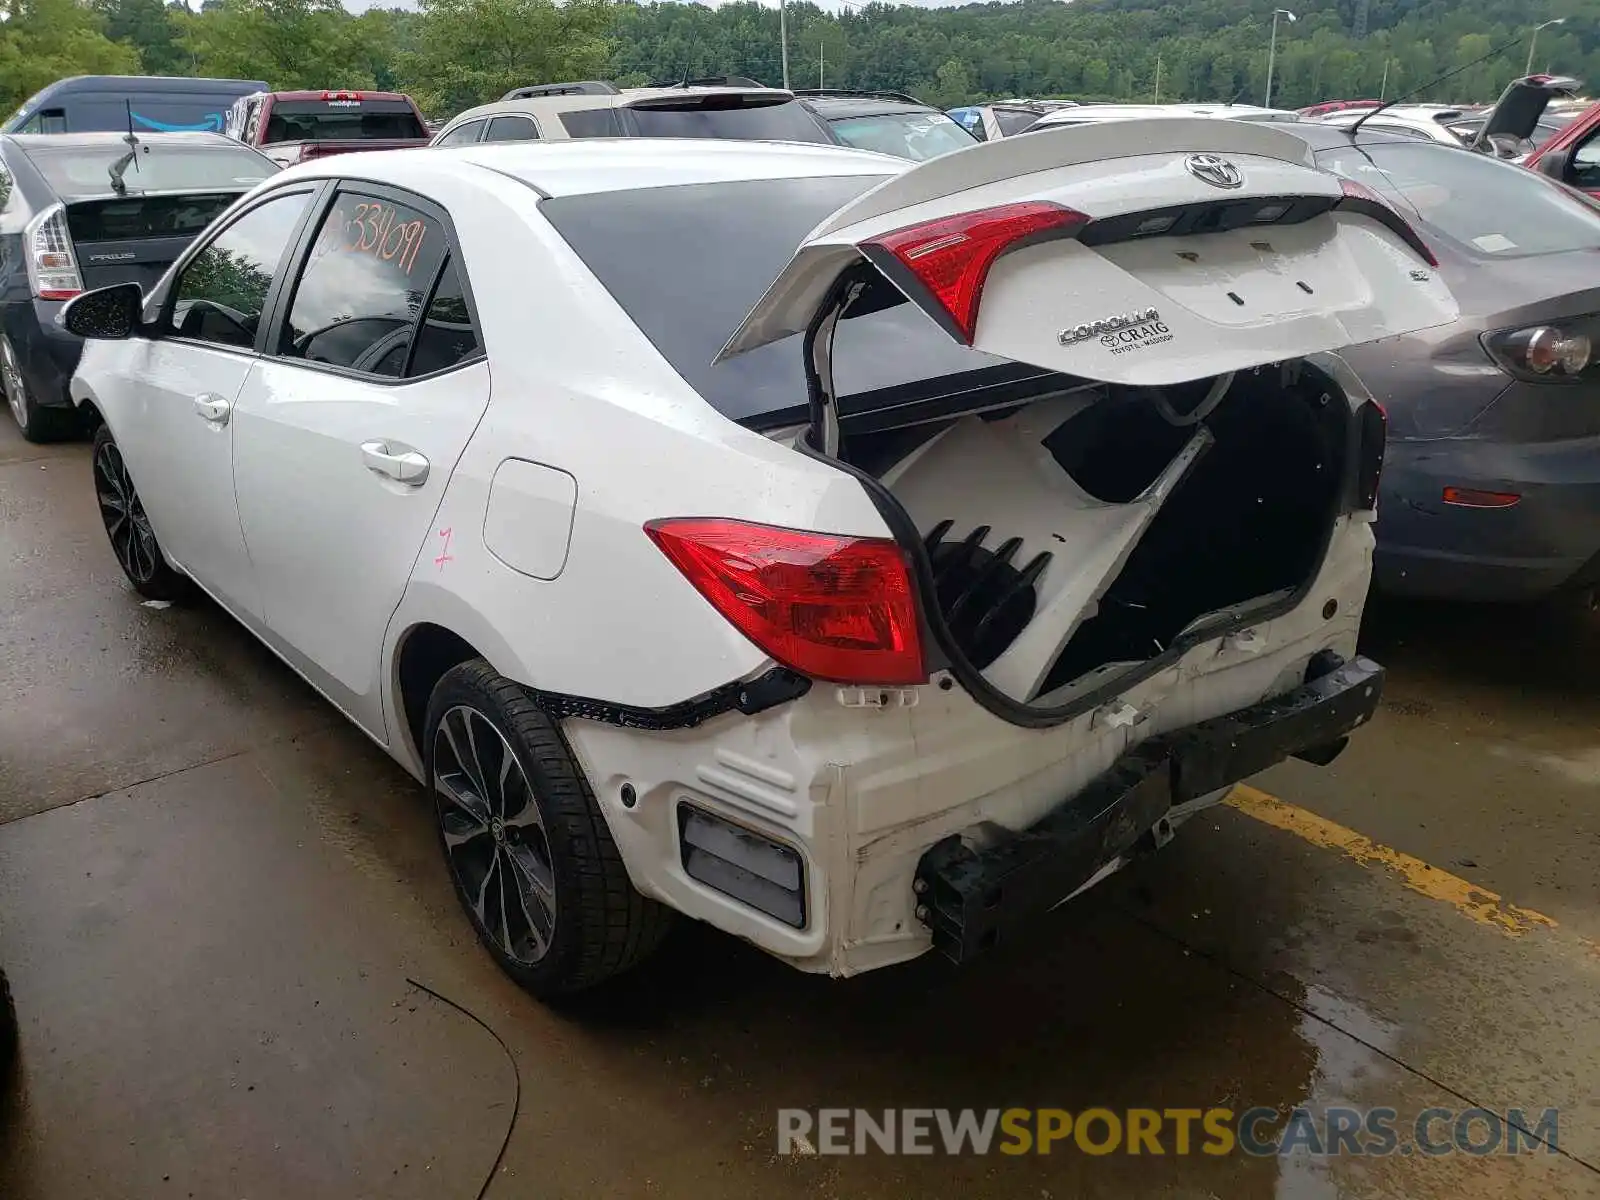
{"points": [[968, 897]]}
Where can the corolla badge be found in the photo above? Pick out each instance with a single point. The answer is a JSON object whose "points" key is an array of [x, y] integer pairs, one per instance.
{"points": [[1215, 170], [1094, 329]]}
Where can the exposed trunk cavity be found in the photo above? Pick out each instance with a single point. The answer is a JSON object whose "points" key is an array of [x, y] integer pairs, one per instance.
{"points": [[1079, 536]]}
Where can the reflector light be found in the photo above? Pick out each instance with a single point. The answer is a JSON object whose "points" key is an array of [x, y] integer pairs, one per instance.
{"points": [[1473, 498], [951, 257], [830, 607], [1358, 197]]}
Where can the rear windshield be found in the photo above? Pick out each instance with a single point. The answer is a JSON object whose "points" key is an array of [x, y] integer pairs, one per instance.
{"points": [[738, 117], [342, 121], [688, 263], [913, 135], [73, 171], [1482, 207], [133, 217]]}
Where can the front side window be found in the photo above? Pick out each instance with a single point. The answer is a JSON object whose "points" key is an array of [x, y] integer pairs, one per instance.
{"points": [[511, 129], [1483, 207], [371, 268], [461, 135], [222, 291]]}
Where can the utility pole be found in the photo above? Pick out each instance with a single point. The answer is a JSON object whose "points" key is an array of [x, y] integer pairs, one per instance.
{"points": [[783, 38], [1158, 79], [1383, 88], [822, 47], [1272, 51]]}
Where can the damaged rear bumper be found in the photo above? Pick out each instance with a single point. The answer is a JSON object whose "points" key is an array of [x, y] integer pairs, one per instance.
{"points": [[968, 898]]}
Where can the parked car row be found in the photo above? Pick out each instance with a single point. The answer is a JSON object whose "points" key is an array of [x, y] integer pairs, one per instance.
{"points": [[1063, 457]]}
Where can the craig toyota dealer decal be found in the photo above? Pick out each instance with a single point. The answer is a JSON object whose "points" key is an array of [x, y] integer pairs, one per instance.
{"points": [[1121, 333]]}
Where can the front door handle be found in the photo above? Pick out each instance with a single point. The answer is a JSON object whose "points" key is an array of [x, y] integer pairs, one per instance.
{"points": [[405, 465], [214, 408]]}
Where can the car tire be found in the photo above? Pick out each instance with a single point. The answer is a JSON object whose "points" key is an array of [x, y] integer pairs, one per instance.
{"points": [[573, 918], [132, 539], [38, 425]]}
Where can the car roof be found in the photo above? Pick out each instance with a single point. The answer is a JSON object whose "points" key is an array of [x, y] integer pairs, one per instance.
{"points": [[834, 107], [331, 93], [582, 101], [147, 83], [584, 166], [1103, 112]]}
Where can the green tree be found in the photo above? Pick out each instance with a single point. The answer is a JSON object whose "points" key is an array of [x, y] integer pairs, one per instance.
{"points": [[470, 51], [43, 40], [289, 43], [150, 28]]}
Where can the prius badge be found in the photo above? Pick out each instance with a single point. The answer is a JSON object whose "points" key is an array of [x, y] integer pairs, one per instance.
{"points": [[1215, 170]]}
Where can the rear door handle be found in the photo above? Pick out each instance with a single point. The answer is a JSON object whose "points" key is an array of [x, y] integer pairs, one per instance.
{"points": [[214, 408], [395, 462]]}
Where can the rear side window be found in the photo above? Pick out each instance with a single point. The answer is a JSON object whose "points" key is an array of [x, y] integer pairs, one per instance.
{"points": [[223, 289], [1482, 207], [447, 336], [342, 120], [370, 271], [511, 129], [591, 122], [462, 135], [739, 116], [1013, 122]]}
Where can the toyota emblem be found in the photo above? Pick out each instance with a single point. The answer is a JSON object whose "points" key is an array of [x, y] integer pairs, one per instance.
{"points": [[1215, 170]]}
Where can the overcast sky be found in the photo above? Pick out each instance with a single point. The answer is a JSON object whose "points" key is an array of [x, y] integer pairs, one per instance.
{"points": [[829, 5]]}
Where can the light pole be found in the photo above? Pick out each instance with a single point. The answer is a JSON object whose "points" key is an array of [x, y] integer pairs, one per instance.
{"points": [[783, 37], [1533, 42], [1272, 50]]}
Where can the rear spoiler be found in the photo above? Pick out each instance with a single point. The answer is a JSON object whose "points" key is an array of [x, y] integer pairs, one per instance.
{"points": [[997, 162]]}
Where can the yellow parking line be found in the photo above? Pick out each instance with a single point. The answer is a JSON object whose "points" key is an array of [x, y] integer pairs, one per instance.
{"points": [[1477, 903]]}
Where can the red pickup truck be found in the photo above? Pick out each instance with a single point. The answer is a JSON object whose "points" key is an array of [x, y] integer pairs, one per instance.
{"points": [[291, 127]]}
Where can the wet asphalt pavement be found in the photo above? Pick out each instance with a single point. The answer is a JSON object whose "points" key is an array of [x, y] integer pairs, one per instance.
{"points": [[214, 895]]}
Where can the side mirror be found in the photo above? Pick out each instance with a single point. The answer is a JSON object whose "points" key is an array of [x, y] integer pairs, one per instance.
{"points": [[1557, 164], [108, 313]]}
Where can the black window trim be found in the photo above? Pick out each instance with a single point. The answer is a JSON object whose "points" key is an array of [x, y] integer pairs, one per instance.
{"points": [[168, 300], [275, 317]]}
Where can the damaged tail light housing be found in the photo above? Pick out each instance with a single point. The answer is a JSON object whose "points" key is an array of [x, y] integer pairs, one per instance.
{"points": [[831, 607], [1359, 198], [950, 258]]}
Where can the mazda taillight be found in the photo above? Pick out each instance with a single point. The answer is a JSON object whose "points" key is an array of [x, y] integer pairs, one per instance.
{"points": [[951, 257], [52, 265], [1359, 198], [828, 606]]}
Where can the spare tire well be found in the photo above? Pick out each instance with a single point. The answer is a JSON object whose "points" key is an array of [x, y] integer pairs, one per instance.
{"points": [[427, 652]]}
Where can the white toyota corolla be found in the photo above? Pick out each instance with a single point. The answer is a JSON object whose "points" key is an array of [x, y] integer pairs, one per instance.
{"points": [[857, 558]]}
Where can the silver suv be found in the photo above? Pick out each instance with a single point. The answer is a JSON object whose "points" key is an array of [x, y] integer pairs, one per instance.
{"points": [[723, 107]]}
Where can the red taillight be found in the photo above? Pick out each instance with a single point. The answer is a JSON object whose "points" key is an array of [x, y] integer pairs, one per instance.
{"points": [[951, 257], [830, 607], [1358, 197]]}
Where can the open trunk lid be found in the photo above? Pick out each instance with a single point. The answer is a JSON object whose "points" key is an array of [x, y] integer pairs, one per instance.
{"points": [[1155, 255], [1516, 114]]}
